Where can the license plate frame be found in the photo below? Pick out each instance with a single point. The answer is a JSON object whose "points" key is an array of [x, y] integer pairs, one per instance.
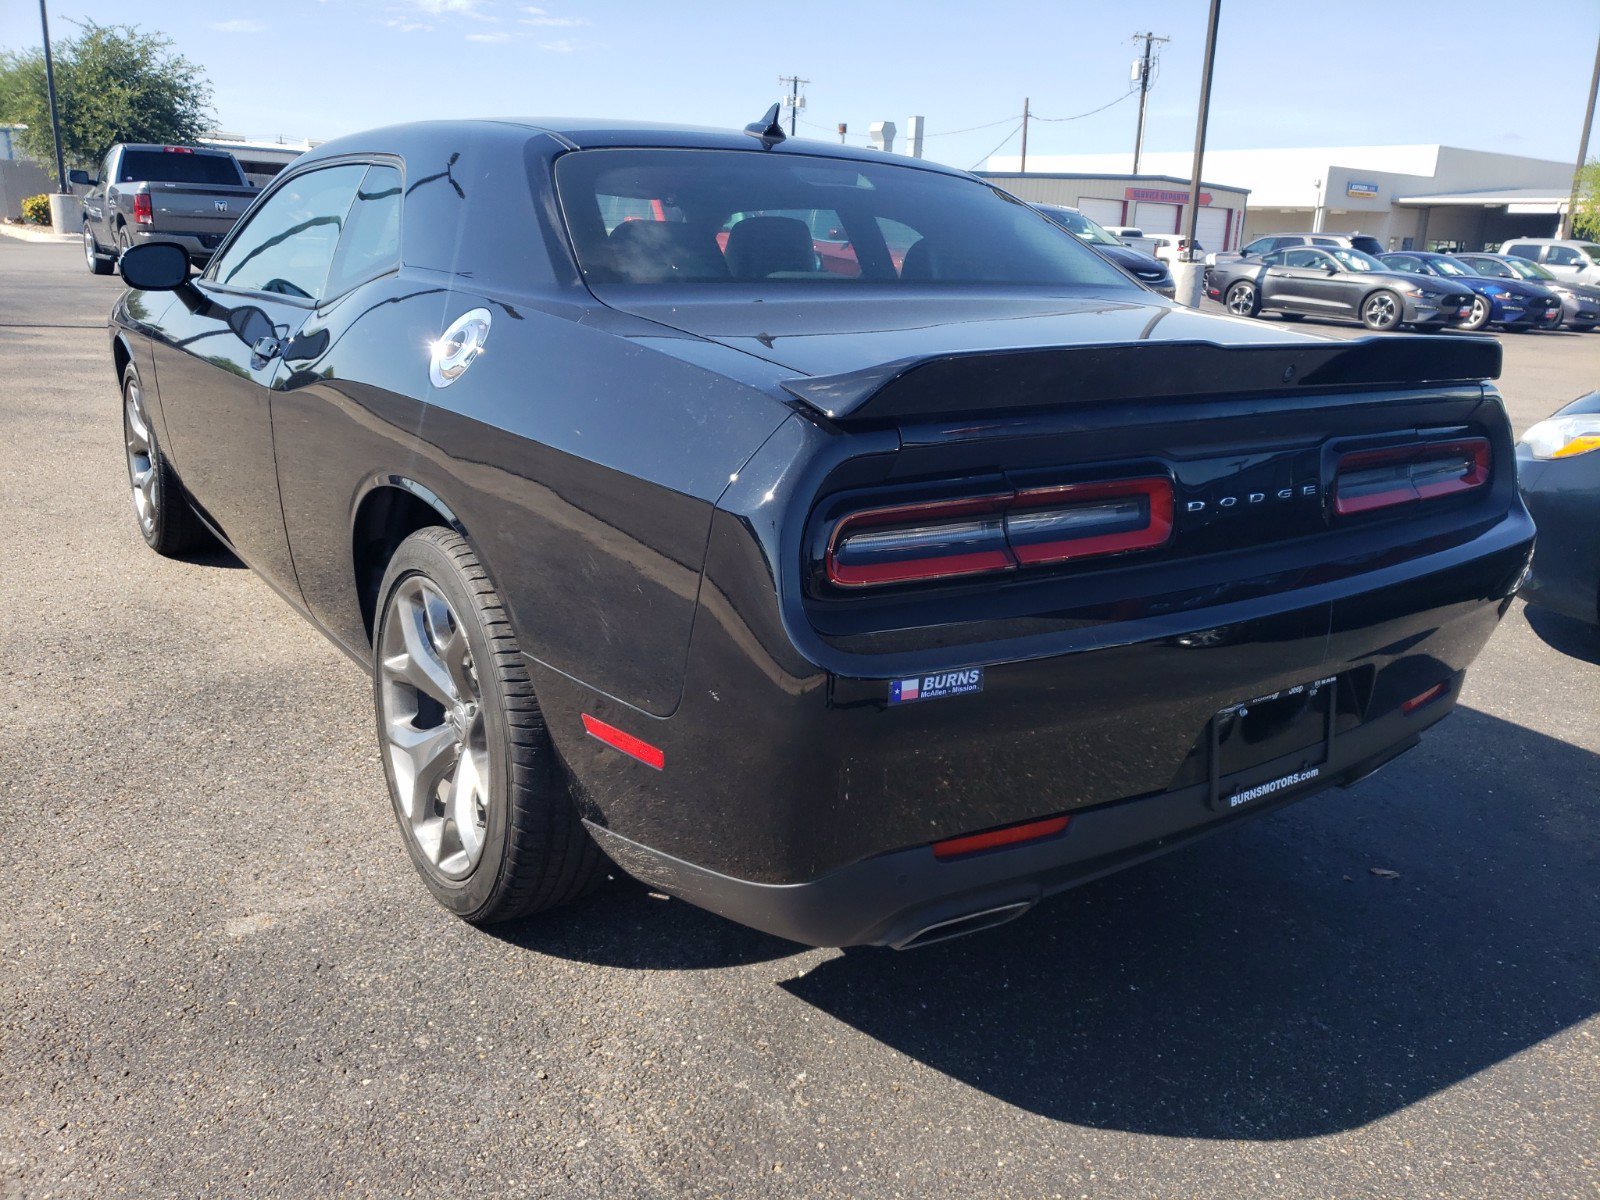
{"points": [[1295, 725]]}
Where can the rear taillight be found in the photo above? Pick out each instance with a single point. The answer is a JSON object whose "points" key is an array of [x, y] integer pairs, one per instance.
{"points": [[177, 149], [983, 535], [1372, 479], [143, 212]]}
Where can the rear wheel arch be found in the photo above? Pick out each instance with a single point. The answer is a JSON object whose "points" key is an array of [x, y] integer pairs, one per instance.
{"points": [[121, 355], [391, 510]]}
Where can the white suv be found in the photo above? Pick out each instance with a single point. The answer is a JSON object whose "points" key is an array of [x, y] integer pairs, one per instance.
{"points": [[1571, 259]]}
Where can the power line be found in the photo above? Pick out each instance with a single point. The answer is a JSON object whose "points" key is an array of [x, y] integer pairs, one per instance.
{"points": [[1082, 115], [972, 128], [997, 149]]}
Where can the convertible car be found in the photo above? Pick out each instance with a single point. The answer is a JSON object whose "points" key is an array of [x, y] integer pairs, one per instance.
{"points": [[863, 609]]}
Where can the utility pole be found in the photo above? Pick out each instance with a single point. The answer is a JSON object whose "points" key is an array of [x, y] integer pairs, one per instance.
{"points": [[794, 82], [1191, 276], [1023, 168], [1144, 70], [1583, 146], [55, 117]]}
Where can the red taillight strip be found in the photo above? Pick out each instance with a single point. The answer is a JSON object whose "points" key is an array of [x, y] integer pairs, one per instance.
{"points": [[1156, 491], [143, 211], [947, 566], [1474, 450], [983, 546], [651, 756], [1009, 835]]}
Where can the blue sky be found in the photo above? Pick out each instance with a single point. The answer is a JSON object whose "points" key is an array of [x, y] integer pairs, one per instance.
{"points": [[1289, 72]]}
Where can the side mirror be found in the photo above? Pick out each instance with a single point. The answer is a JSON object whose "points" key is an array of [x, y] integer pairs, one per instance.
{"points": [[155, 266], [81, 178]]}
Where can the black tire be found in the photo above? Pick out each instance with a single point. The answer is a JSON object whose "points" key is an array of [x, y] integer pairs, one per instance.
{"points": [[1383, 311], [536, 854], [172, 528], [1242, 299], [96, 262], [124, 242], [1292, 316], [1479, 316]]}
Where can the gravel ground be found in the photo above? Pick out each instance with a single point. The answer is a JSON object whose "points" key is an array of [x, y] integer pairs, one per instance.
{"points": [[220, 976]]}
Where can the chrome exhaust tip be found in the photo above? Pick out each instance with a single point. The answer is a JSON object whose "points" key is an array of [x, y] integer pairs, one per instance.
{"points": [[954, 927]]}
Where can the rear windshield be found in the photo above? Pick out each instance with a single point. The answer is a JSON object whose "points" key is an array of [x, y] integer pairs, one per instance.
{"points": [[784, 220], [172, 166]]}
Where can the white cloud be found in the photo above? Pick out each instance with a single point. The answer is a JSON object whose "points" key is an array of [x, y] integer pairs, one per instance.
{"points": [[405, 25], [559, 46], [489, 37], [240, 25], [448, 8], [538, 16]]}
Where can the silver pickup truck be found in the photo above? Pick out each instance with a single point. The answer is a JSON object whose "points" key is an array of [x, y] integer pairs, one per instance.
{"points": [[183, 194]]}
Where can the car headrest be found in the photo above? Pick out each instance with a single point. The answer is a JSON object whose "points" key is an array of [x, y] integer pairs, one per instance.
{"points": [[763, 246], [664, 251]]}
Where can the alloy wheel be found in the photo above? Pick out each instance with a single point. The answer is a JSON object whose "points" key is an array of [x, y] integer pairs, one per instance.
{"points": [[1242, 300], [141, 457], [438, 742], [88, 247], [1479, 316], [1382, 312]]}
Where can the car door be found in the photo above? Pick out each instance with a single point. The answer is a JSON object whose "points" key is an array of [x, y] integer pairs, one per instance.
{"points": [[1302, 281], [94, 202], [1565, 261], [219, 348]]}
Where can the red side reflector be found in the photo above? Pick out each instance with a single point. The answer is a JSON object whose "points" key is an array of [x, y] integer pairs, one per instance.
{"points": [[1009, 836], [1427, 697], [649, 755]]}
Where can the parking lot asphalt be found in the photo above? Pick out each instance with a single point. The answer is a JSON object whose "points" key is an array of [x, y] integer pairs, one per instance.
{"points": [[221, 977]]}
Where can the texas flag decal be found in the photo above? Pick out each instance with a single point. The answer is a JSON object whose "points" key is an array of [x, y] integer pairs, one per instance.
{"points": [[936, 687]]}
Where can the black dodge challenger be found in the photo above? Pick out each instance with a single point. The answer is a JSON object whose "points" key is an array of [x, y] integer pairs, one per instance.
{"points": [[862, 603]]}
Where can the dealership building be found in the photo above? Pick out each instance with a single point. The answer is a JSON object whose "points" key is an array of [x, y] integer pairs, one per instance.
{"points": [[1408, 197], [1154, 203]]}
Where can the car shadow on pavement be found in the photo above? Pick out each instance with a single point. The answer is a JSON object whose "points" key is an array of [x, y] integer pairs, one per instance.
{"points": [[626, 924], [1277, 981], [1572, 638]]}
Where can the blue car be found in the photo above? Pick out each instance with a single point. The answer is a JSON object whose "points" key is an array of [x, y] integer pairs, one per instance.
{"points": [[1511, 303]]}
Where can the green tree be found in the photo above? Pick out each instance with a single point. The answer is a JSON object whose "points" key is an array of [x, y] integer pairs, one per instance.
{"points": [[1586, 214], [114, 83]]}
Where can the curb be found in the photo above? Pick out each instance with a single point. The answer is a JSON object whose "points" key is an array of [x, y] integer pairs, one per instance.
{"points": [[25, 233]]}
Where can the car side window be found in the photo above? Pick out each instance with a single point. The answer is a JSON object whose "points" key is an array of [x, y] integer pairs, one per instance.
{"points": [[287, 247], [105, 170], [1564, 256], [1273, 258], [370, 245], [1303, 258], [1402, 262], [1522, 250], [1323, 242], [1260, 246]]}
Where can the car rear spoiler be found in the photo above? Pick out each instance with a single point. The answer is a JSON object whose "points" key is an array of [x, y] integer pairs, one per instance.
{"points": [[992, 381]]}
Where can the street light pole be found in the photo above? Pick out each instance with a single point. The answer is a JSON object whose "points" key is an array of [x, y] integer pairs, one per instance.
{"points": [[1193, 215], [50, 87], [1583, 146]]}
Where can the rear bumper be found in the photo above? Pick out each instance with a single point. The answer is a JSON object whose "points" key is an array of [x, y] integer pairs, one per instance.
{"points": [[199, 246], [911, 898]]}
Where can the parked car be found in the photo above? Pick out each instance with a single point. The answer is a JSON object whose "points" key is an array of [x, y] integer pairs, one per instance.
{"points": [[861, 610], [1511, 303], [1171, 247], [1283, 241], [1134, 238], [1565, 258], [1338, 282], [1151, 272], [1558, 470], [1580, 302], [186, 195]]}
